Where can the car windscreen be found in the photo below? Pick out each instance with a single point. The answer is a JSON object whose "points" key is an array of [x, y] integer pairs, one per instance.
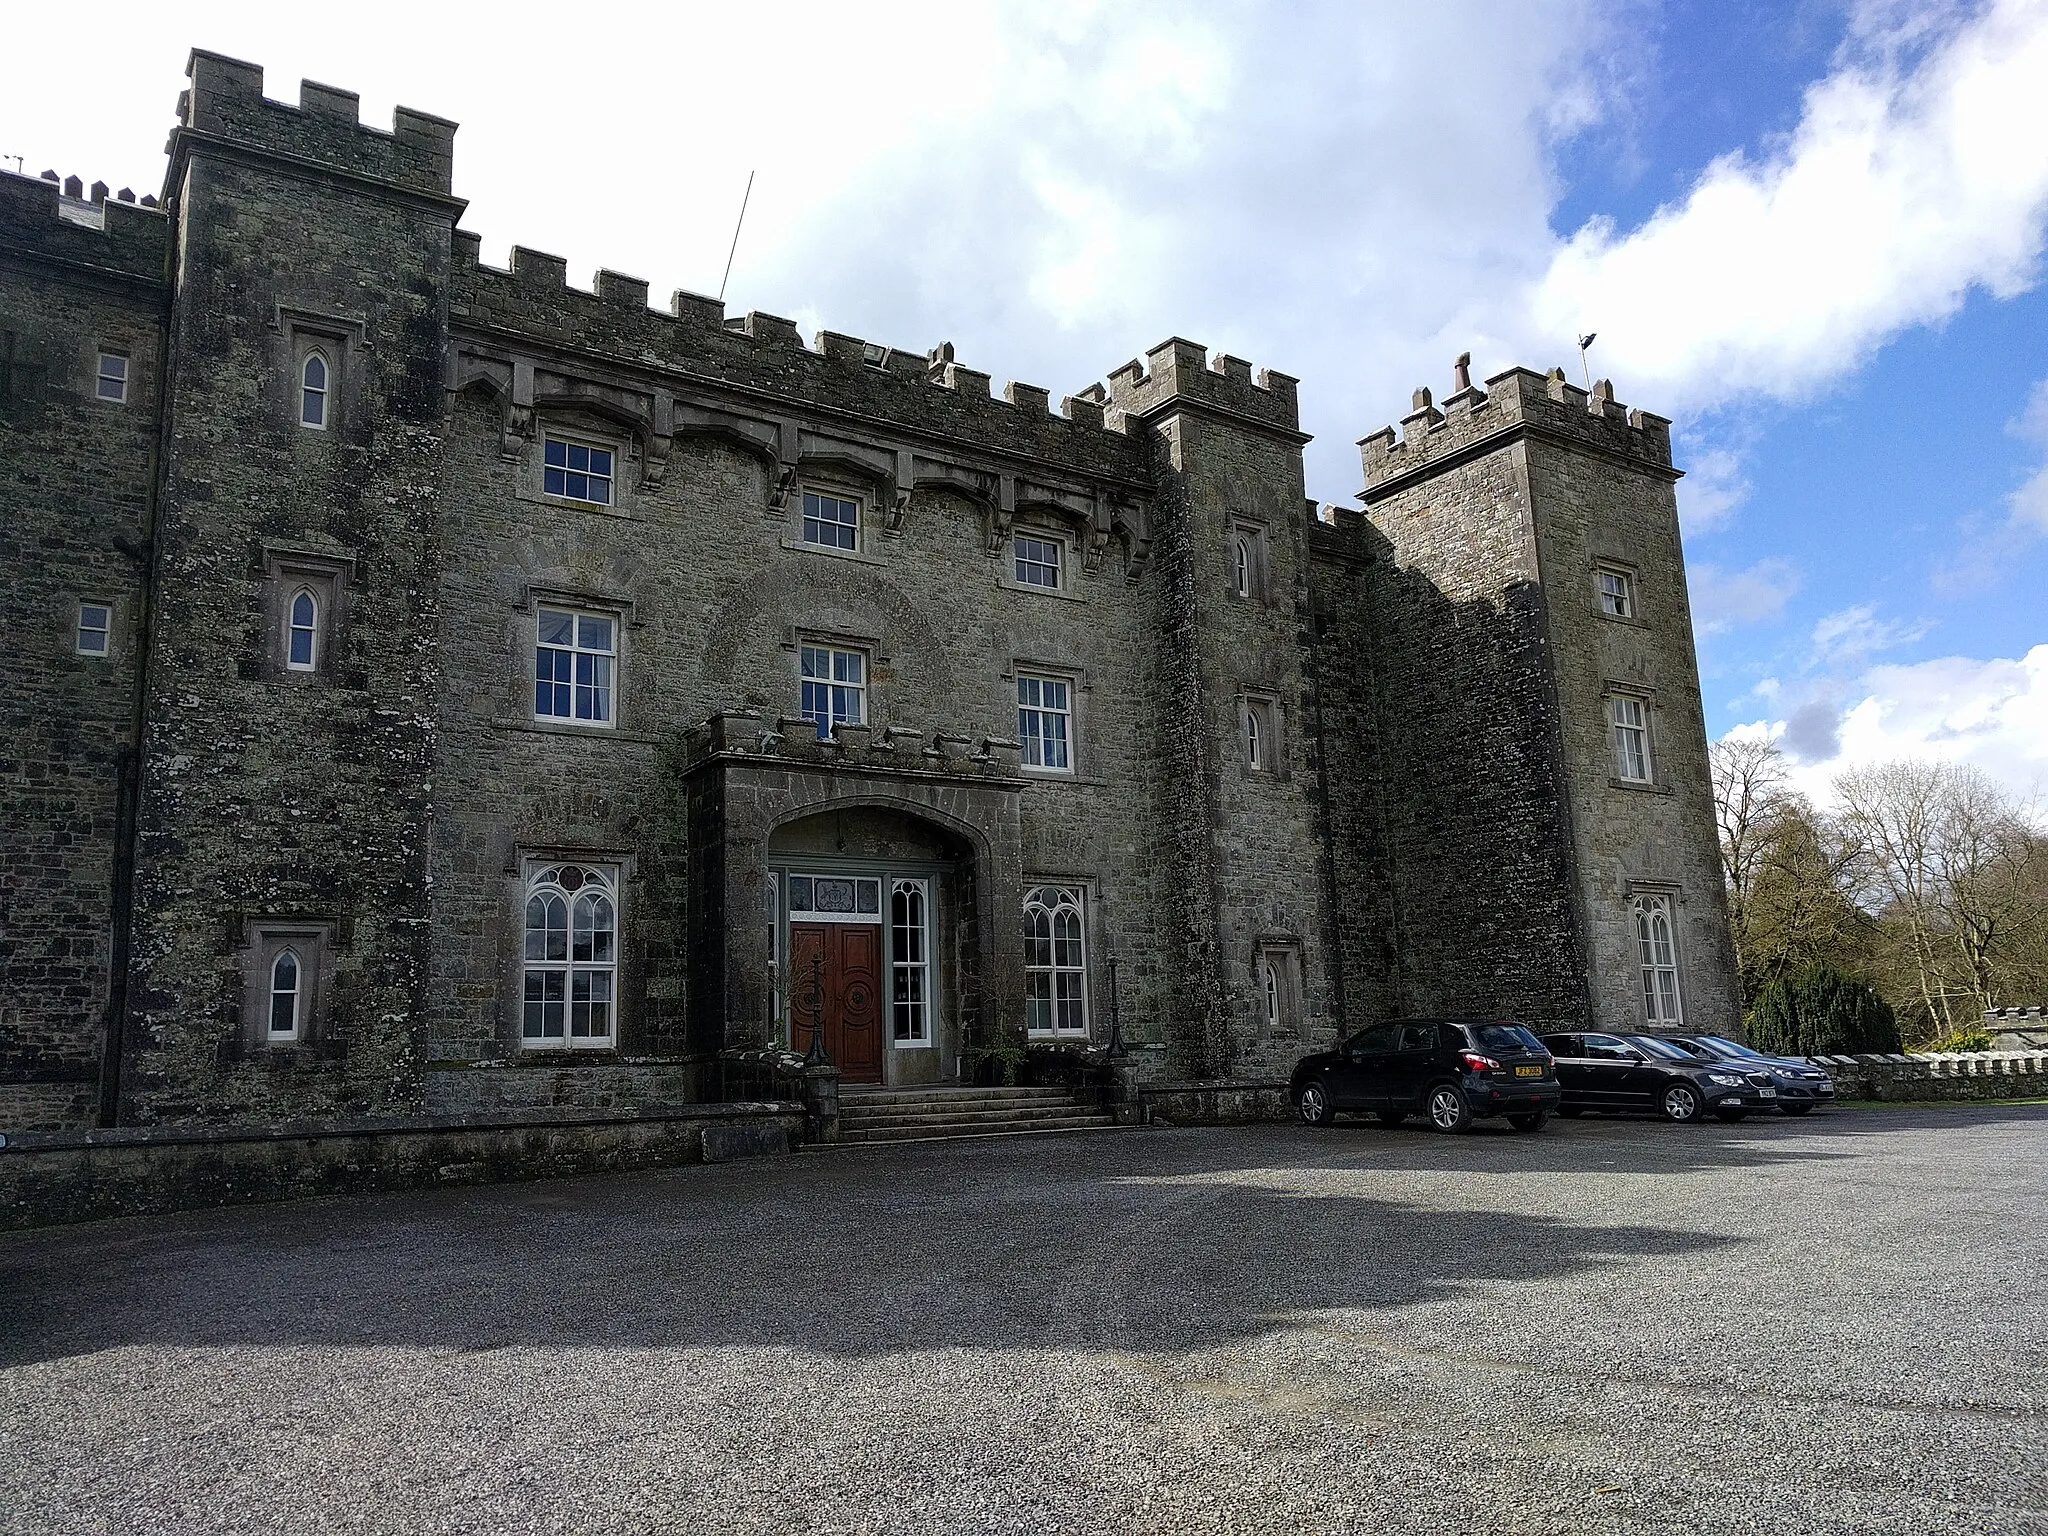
{"points": [[1730, 1048], [1502, 1037], [1658, 1047]]}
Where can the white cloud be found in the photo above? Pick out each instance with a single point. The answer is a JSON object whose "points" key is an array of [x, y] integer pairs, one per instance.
{"points": [[1918, 171], [1989, 712], [2029, 504], [1713, 488], [1849, 636], [1723, 600]]}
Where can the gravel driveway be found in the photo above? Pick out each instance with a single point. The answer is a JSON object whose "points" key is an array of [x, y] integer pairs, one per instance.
{"points": [[1830, 1325]]}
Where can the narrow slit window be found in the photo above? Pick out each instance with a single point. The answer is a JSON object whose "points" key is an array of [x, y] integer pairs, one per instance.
{"points": [[112, 383], [286, 992], [302, 639], [1241, 566], [313, 382], [1254, 742], [95, 629], [909, 963], [1270, 979]]}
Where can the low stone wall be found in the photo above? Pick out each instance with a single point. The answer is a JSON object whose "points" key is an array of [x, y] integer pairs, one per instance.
{"points": [[51, 1179], [472, 1088], [1949, 1075], [1212, 1103]]}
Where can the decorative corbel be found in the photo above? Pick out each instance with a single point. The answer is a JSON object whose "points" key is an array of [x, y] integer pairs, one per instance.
{"points": [[517, 431], [898, 499], [1002, 512], [1096, 544], [788, 450], [660, 440], [1129, 518]]}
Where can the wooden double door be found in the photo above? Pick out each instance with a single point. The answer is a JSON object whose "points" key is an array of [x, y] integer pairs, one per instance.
{"points": [[835, 982]]}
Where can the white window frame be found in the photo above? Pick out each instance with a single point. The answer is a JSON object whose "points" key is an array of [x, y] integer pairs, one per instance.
{"points": [[1241, 563], [775, 1020], [81, 631], [603, 663], [1628, 720], [910, 978], [296, 992], [1056, 986], [293, 629], [1620, 602], [570, 445], [811, 506], [118, 378], [579, 889], [823, 709], [1656, 936], [1020, 559], [1269, 984], [321, 394], [1035, 713], [1258, 733]]}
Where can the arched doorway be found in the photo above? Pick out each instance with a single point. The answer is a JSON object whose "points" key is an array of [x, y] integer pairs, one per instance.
{"points": [[873, 938]]}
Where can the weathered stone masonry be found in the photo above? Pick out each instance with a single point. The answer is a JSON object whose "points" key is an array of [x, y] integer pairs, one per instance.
{"points": [[1428, 820]]}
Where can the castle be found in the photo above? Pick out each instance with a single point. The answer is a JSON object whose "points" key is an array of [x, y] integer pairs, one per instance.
{"points": [[425, 672]]}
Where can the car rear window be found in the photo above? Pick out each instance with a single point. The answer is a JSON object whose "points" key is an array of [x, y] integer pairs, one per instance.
{"points": [[1662, 1048], [1503, 1037]]}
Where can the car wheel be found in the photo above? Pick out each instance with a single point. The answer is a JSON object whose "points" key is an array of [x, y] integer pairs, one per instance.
{"points": [[1571, 1111], [1795, 1109], [1315, 1105], [1533, 1121], [1681, 1103], [1731, 1115], [1448, 1110], [1393, 1116]]}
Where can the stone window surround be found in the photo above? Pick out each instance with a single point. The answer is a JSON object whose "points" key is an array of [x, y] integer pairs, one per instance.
{"points": [[568, 422], [1263, 705], [526, 640], [1282, 952], [263, 939], [1614, 688], [528, 859], [867, 534], [578, 436], [1258, 545], [613, 875], [1078, 691], [1673, 896], [336, 338], [1605, 564], [1039, 527], [287, 569]]}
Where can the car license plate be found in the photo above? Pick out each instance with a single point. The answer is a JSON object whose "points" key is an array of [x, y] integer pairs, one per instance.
{"points": [[1528, 1071], [1767, 1093]]}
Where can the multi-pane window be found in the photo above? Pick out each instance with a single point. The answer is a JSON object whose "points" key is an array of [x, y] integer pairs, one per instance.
{"points": [[571, 960], [1036, 560], [1659, 961], [95, 629], [1044, 722], [1055, 962], [577, 471], [112, 383], [1631, 738], [910, 982], [302, 631], [313, 392], [286, 989], [831, 521], [572, 666], [834, 687], [1617, 596], [835, 899]]}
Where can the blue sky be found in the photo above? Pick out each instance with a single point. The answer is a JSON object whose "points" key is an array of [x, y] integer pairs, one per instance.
{"points": [[1811, 232]]}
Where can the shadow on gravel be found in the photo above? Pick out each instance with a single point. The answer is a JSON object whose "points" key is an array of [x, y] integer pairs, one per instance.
{"points": [[1136, 1241], [1141, 1241]]}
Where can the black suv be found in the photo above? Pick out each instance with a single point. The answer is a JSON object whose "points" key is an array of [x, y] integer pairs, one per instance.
{"points": [[1642, 1072], [1453, 1070], [1800, 1085]]}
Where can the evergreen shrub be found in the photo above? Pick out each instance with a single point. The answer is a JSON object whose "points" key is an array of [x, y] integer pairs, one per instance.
{"points": [[1822, 1013]]}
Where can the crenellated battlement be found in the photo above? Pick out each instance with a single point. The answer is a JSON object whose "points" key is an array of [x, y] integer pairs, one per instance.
{"points": [[1512, 402], [225, 103], [1182, 370], [84, 228], [533, 300]]}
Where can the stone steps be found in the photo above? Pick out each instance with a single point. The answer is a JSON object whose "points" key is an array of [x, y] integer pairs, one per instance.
{"points": [[875, 1115]]}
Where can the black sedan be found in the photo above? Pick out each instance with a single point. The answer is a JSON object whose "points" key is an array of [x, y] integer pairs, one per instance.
{"points": [[1642, 1072], [1800, 1084], [1453, 1070]]}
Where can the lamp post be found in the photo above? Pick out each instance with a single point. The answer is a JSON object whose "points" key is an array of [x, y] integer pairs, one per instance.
{"points": [[1116, 1025], [815, 1056]]}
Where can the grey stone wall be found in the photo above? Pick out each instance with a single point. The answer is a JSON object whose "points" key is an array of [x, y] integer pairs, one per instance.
{"points": [[77, 277]]}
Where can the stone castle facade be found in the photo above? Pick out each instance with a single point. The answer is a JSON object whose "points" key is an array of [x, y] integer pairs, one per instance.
{"points": [[425, 672]]}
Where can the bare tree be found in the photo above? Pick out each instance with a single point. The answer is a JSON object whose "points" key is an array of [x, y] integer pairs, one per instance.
{"points": [[1750, 791]]}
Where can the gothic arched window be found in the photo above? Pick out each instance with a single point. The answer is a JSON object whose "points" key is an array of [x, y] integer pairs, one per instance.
{"points": [[1055, 962], [571, 959], [302, 631], [1658, 957], [313, 392], [286, 993]]}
